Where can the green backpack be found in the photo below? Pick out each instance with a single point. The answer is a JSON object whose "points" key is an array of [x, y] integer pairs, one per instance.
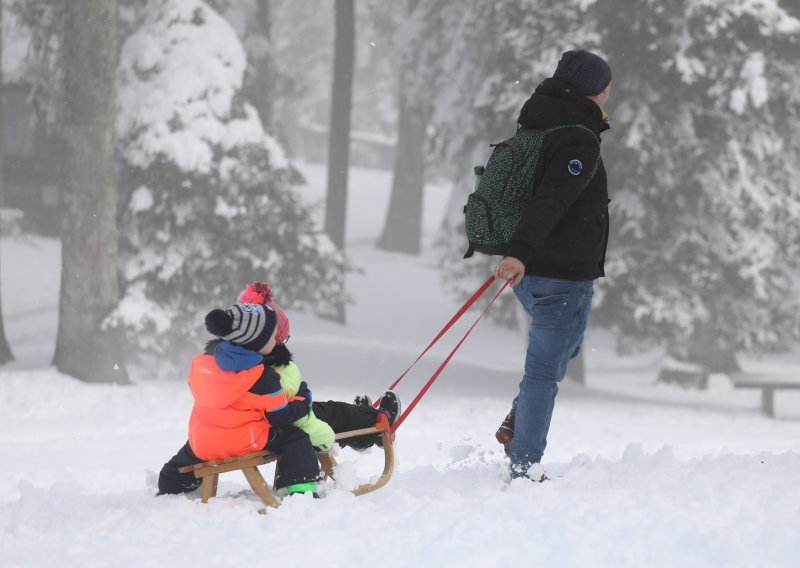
{"points": [[503, 189]]}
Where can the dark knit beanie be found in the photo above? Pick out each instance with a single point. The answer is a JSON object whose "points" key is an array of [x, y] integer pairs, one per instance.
{"points": [[590, 74], [248, 325]]}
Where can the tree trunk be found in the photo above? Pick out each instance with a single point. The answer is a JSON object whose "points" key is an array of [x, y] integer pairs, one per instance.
{"points": [[264, 75], [339, 134], [403, 229], [89, 285], [5, 349]]}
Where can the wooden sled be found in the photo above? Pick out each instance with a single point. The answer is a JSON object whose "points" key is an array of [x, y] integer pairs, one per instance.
{"points": [[209, 471]]}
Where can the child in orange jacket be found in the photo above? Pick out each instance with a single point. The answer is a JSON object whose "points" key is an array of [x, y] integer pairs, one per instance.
{"points": [[240, 406], [275, 391]]}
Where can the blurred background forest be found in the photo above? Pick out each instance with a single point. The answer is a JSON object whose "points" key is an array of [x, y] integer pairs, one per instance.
{"points": [[158, 140]]}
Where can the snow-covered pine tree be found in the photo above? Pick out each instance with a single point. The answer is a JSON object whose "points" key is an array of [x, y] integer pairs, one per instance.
{"points": [[704, 254], [704, 173], [207, 196]]}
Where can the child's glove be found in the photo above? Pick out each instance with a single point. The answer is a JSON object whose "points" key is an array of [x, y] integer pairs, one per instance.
{"points": [[305, 392]]}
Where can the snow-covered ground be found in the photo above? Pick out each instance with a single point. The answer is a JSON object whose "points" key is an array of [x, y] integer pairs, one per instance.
{"points": [[642, 475]]}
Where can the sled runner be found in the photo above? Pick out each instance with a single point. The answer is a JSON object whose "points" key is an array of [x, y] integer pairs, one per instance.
{"points": [[209, 471]]}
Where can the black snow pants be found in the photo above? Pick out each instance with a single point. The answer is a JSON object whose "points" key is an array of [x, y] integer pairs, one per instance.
{"points": [[343, 417]]}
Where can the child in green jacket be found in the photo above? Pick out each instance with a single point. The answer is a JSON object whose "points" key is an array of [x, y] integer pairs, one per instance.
{"points": [[329, 417]]}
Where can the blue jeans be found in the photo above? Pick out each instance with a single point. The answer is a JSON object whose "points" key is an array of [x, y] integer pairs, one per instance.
{"points": [[560, 310]]}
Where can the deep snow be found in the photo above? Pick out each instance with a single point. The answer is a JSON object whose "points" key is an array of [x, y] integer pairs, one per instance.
{"points": [[642, 475]]}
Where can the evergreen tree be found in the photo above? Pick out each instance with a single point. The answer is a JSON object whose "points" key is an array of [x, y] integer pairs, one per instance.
{"points": [[208, 202], [703, 175], [703, 256]]}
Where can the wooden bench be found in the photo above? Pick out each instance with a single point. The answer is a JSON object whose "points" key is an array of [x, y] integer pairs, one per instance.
{"points": [[768, 386], [209, 471]]}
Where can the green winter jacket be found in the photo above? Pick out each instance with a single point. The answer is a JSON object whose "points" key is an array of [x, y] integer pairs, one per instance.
{"points": [[321, 434]]}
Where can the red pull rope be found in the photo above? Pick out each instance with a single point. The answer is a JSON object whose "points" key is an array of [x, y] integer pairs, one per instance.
{"points": [[467, 305], [427, 385]]}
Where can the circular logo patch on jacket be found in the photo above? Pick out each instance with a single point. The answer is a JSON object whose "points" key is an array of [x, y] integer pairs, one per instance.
{"points": [[575, 167]]}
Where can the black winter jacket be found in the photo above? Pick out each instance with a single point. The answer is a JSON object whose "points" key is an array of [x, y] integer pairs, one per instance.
{"points": [[564, 230]]}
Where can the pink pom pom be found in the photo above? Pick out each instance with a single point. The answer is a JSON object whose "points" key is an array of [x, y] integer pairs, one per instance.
{"points": [[256, 293]]}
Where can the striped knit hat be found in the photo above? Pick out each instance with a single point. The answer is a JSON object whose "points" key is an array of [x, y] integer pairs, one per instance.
{"points": [[248, 325]]}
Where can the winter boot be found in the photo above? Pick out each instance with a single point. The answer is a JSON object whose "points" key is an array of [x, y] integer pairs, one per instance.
{"points": [[304, 487], [505, 433], [389, 407]]}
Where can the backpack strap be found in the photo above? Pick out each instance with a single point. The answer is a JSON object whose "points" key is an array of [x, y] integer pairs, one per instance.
{"points": [[470, 251]]}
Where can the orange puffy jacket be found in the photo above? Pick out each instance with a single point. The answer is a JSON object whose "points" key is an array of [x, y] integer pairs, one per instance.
{"points": [[227, 420]]}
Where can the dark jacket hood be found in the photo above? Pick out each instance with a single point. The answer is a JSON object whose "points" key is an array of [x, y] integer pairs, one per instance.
{"points": [[555, 103]]}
